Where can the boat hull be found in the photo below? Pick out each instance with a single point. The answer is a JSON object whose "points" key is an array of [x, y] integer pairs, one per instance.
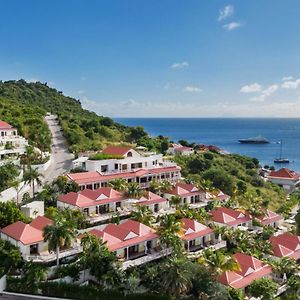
{"points": [[253, 142]]}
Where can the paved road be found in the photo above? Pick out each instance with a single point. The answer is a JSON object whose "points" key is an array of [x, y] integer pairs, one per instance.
{"points": [[61, 161]]}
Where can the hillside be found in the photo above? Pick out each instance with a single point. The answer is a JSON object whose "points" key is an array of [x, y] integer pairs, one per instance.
{"points": [[234, 174], [25, 104]]}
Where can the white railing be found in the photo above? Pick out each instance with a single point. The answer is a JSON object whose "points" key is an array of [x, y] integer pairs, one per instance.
{"points": [[52, 256], [147, 258]]}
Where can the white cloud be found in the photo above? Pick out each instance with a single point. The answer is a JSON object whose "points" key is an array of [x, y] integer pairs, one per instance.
{"points": [[226, 12], [179, 65], [170, 108], [265, 93], [129, 103], [287, 78], [251, 88], [270, 90], [192, 89], [232, 26], [291, 84]]}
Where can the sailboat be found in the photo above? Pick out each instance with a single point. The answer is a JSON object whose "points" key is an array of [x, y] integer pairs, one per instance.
{"points": [[280, 159]]}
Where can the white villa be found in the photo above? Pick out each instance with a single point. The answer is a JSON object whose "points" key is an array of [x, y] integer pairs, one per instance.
{"points": [[120, 159], [285, 178], [188, 193], [11, 144]]}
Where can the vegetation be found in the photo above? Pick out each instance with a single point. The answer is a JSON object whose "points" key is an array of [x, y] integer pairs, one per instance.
{"points": [[10, 257], [233, 174], [24, 105], [60, 234], [10, 213], [8, 174], [101, 156], [264, 288]]}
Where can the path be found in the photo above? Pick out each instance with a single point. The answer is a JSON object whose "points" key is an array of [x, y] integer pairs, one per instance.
{"points": [[61, 158]]}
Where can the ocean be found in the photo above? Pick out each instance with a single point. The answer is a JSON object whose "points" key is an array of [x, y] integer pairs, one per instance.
{"points": [[225, 133]]}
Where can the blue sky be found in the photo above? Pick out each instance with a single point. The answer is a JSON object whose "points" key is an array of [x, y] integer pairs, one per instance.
{"points": [[159, 58]]}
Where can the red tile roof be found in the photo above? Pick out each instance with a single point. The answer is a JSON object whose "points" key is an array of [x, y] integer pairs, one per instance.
{"points": [[150, 198], [116, 150], [5, 125], [286, 244], [284, 173], [229, 216], [41, 222], [250, 269], [24, 233], [193, 229], [95, 177], [184, 189], [126, 234], [269, 217], [89, 197]]}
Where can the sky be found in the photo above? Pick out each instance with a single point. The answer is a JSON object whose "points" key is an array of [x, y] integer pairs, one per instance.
{"points": [[159, 58]]}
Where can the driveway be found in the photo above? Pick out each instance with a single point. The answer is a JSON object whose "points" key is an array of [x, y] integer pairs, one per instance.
{"points": [[61, 158]]}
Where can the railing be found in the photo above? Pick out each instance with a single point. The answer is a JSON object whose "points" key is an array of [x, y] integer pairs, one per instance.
{"points": [[52, 256], [147, 258]]}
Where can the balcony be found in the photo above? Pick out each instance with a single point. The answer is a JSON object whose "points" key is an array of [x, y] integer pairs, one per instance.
{"points": [[107, 216], [48, 257], [194, 253], [146, 258]]}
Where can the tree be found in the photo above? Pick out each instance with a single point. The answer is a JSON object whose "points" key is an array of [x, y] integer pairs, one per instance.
{"points": [[98, 259], [142, 214], [118, 184], [133, 190], [10, 213], [169, 230], [176, 276], [32, 176], [165, 186], [33, 274], [60, 234], [175, 200], [264, 288], [10, 257], [8, 174], [217, 262], [285, 265]]}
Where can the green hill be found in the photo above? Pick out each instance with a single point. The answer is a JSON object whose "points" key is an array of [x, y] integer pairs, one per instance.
{"points": [[25, 104]]}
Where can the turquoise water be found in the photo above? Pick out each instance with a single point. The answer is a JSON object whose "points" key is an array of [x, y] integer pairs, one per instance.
{"points": [[226, 132]]}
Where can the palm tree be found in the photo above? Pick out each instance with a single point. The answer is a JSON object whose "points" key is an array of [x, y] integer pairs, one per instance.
{"points": [[16, 184], [175, 200], [133, 190], [60, 233], [165, 186], [143, 215], [32, 176], [217, 262], [154, 186], [285, 265], [169, 230], [176, 276], [118, 184]]}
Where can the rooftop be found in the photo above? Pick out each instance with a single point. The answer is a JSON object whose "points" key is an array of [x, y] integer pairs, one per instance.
{"points": [[284, 173], [229, 216], [286, 244], [251, 268]]}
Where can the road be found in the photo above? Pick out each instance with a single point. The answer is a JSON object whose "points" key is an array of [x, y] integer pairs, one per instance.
{"points": [[61, 158]]}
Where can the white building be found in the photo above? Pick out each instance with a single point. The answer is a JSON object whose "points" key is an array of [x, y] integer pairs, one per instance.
{"points": [[119, 159], [11, 144], [177, 149], [285, 178], [33, 209]]}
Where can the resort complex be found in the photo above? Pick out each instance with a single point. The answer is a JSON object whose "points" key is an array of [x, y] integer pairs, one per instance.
{"points": [[141, 211]]}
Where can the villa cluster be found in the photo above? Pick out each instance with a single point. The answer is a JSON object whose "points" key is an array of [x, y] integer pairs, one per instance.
{"points": [[134, 243]]}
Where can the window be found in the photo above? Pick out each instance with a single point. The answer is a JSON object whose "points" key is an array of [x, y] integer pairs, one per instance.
{"points": [[129, 154], [104, 168]]}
